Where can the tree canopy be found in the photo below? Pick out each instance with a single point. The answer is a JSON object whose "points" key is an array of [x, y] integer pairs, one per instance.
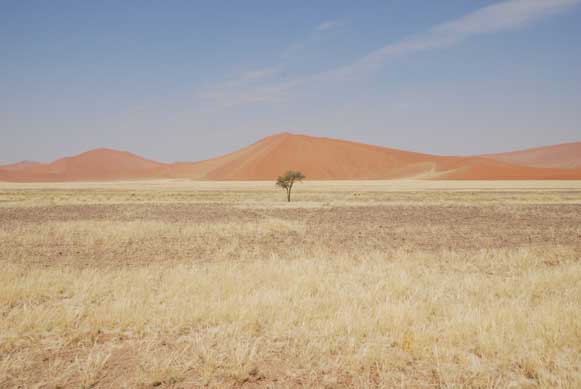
{"points": [[287, 181]]}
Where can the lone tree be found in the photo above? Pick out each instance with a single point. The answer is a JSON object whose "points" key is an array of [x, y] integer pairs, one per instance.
{"points": [[287, 181]]}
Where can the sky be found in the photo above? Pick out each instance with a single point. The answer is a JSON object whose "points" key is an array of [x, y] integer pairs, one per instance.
{"points": [[189, 80]]}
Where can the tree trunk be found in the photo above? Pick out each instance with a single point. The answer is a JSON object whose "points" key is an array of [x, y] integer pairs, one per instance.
{"points": [[288, 191]]}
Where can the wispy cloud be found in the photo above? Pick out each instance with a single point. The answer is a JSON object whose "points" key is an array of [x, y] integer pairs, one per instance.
{"points": [[503, 16], [292, 49], [507, 15], [259, 74], [232, 96], [250, 87], [312, 37], [257, 85], [328, 25]]}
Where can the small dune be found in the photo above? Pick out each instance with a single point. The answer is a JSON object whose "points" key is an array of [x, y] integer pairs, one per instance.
{"points": [[95, 165]]}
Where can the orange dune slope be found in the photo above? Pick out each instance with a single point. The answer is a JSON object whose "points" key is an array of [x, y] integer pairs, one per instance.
{"points": [[18, 166], [94, 165], [566, 155], [318, 158], [333, 159]]}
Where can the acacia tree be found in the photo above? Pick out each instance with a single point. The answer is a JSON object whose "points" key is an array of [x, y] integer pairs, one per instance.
{"points": [[287, 181]]}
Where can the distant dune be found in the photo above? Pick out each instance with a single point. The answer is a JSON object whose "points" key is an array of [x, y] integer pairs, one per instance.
{"points": [[332, 159], [18, 166], [318, 158], [94, 165], [566, 155]]}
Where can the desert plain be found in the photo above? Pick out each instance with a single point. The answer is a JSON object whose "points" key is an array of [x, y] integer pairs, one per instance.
{"points": [[178, 283]]}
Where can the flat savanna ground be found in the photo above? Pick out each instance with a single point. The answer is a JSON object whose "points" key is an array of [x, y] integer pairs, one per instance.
{"points": [[366, 284]]}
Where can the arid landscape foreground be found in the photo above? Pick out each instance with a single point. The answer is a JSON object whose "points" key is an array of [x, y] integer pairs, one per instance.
{"points": [[367, 284]]}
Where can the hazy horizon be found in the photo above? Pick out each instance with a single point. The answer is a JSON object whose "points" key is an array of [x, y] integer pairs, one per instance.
{"points": [[184, 81]]}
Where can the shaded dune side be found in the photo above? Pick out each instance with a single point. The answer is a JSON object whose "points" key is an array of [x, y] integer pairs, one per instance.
{"points": [[564, 156], [478, 168]]}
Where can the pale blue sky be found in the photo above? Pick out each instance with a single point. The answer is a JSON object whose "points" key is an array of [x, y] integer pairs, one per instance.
{"points": [[188, 80]]}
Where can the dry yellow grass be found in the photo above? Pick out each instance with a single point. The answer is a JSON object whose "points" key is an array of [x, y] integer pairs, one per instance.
{"points": [[233, 288], [263, 194]]}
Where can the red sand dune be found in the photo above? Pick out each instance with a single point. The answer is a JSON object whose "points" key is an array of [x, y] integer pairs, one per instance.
{"points": [[566, 155], [317, 158], [332, 159], [94, 165], [18, 166]]}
